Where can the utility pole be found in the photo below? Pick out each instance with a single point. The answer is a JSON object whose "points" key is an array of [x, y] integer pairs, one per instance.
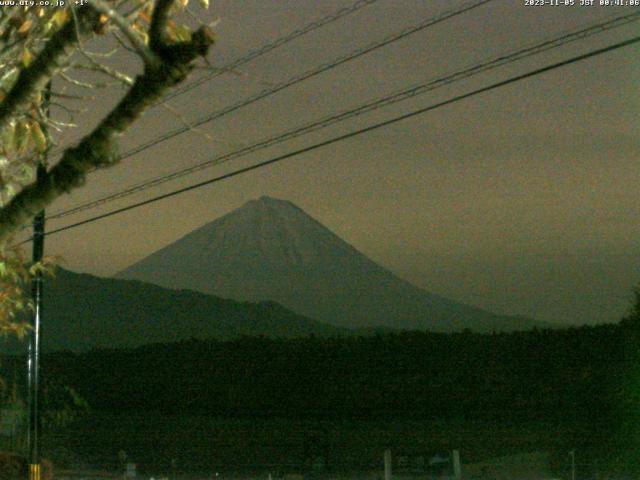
{"points": [[33, 362]]}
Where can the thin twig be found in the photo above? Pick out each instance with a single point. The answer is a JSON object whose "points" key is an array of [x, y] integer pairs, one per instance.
{"points": [[72, 112], [121, 77], [133, 13], [75, 82], [108, 54], [58, 123], [149, 57], [69, 96], [76, 23], [122, 43], [186, 122]]}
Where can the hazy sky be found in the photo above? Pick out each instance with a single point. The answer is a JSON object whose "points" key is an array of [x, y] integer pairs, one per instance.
{"points": [[522, 200]]}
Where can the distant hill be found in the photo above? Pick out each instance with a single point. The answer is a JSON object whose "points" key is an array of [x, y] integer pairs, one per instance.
{"points": [[83, 311], [270, 249]]}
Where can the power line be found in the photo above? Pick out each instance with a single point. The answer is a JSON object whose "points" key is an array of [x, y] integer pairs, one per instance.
{"points": [[392, 98], [300, 78], [264, 49], [307, 75], [355, 133], [343, 12]]}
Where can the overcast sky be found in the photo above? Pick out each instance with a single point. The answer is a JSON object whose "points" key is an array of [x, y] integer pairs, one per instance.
{"points": [[523, 200]]}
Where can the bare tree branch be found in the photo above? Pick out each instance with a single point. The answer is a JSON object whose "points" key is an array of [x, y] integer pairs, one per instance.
{"points": [[186, 123], [96, 66], [108, 54], [35, 77], [125, 27], [75, 82], [158, 27], [59, 125], [97, 150], [122, 43], [69, 111], [69, 96]]}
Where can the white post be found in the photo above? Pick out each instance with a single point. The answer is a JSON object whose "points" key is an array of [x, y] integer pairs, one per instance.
{"points": [[387, 464], [457, 469], [573, 464]]}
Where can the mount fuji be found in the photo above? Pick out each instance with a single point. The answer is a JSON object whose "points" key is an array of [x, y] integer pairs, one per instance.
{"points": [[270, 249]]}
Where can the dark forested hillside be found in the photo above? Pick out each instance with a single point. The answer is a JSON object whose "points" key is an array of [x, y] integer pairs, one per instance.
{"points": [[84, 311], [545, 389], [534, 375]]}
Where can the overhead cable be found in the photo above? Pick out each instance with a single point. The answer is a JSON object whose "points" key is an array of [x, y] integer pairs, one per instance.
{"points": [[325, 67], [354, 133], [386, 100]]}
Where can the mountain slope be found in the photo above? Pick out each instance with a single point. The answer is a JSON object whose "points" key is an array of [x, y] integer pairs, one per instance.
{"points": [[271, 249], [82, 312]]}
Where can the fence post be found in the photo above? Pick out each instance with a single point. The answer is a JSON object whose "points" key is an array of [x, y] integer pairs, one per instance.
{"points": [[457, 470], [387, 464]]}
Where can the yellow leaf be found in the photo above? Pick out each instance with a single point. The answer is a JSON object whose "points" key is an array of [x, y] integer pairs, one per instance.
{"points": [[38, 137], [9, 136], [144, 16], [24, 28], [183, 33], [60, 17], [22, 136], [27, 57]]}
